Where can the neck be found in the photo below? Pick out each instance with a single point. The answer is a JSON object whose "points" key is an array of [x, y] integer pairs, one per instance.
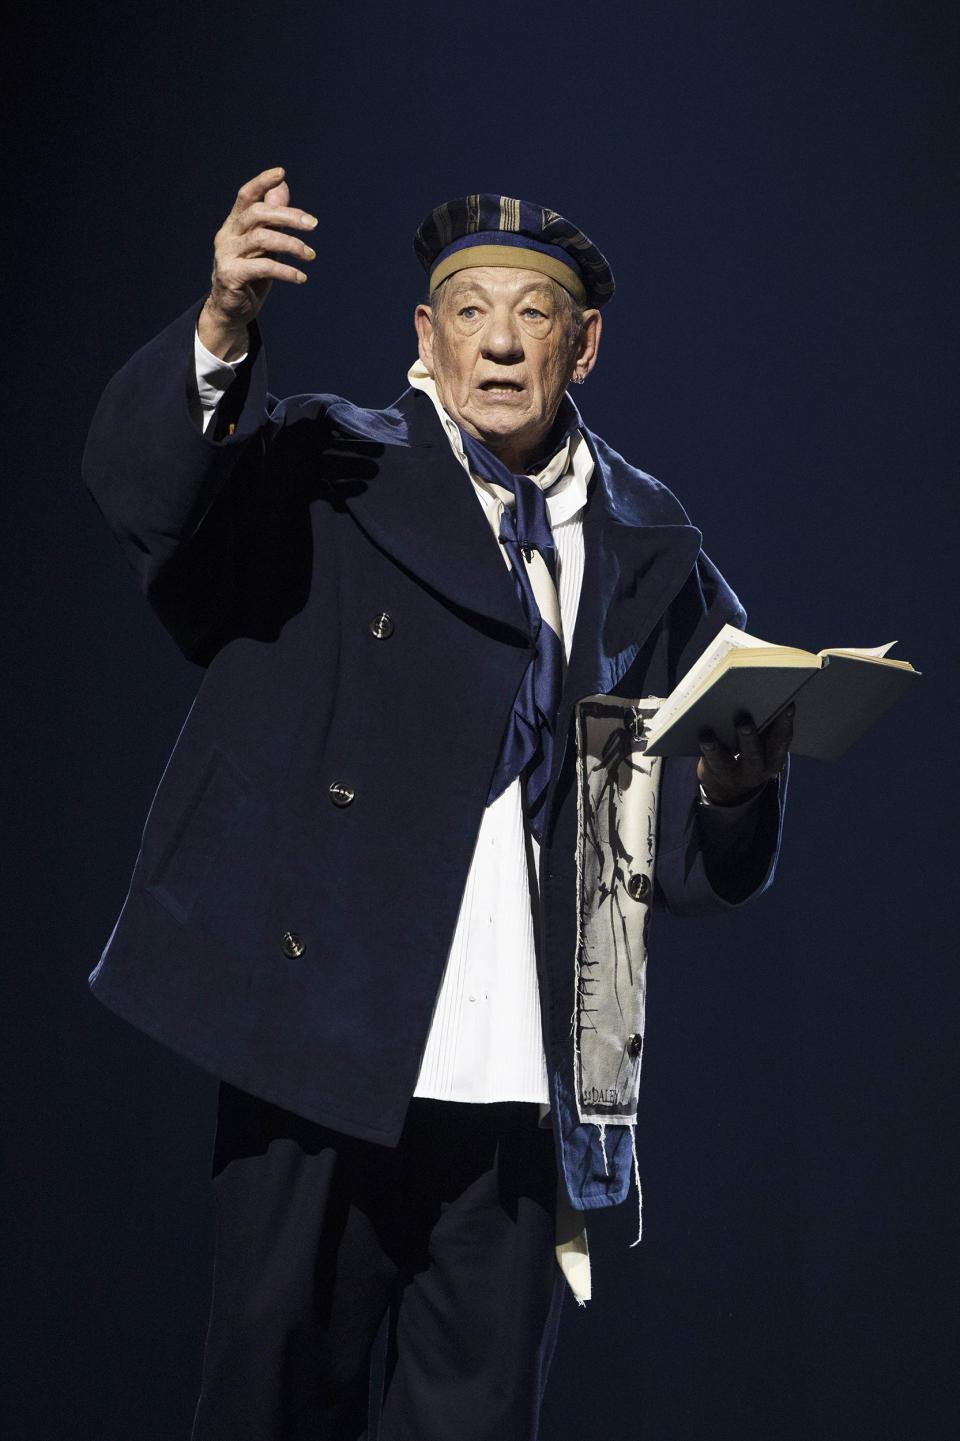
{"points": [[515, 457]]}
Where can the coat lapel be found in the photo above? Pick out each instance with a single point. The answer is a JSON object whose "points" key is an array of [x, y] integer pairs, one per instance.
{"points": [[420, 507], [632, 571]]}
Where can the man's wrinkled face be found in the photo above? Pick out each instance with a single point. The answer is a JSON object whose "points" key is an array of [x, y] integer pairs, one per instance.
{"points": [[501, 349]]}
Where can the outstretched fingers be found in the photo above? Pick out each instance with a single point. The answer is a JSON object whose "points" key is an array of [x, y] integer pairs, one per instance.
{"points": [[254, 243], [265, 201], [260, 241]]}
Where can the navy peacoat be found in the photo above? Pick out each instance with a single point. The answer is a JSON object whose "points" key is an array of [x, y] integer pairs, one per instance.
{"points": [[305, 855]]}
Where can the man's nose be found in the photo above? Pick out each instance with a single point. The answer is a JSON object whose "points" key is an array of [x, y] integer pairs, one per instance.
{"points": [[502, 340]]}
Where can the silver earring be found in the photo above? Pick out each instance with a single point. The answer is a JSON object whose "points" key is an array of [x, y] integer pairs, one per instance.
{"points": [[578, 379]]}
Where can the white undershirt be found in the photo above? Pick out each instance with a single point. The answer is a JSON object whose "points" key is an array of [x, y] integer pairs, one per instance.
{"points": [[485, 1042]]}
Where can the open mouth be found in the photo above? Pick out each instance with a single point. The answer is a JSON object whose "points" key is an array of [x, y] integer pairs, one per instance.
{"points": [[501, 387]]}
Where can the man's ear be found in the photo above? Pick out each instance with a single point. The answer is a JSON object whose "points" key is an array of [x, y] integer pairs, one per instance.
{"points": [[423, 320], [589, 342]]}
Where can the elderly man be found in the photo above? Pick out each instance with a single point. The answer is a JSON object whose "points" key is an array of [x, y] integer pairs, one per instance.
{"points": [[396, 882]]}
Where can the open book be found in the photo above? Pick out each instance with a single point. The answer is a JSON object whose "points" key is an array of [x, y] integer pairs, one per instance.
{"points": [[837, 693]]}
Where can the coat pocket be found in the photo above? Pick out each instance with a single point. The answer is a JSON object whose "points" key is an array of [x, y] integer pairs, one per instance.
{"points": [[179, 878]]}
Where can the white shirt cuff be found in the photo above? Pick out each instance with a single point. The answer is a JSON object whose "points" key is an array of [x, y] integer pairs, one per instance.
{"points": [[214, 378]]}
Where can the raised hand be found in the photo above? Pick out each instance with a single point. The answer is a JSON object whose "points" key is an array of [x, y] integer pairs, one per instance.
{"points": [[250, 252], [728, 778]]}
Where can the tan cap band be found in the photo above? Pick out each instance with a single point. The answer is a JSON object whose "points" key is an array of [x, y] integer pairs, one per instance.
{"points": [[511, 257]]}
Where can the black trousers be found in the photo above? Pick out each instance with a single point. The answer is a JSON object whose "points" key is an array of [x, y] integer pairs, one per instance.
{"points": [[435, 1257]]}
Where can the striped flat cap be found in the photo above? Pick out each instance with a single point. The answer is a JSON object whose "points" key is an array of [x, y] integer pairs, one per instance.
{"points": [[495, 230]]}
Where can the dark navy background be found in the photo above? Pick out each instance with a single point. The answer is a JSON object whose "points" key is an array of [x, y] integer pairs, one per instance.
{"points": [[773, 184]]}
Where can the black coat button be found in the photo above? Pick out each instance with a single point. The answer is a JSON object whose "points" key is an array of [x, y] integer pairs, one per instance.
{"points": [[638, 887], [341, 794], [381, 626], [635, 1046], [293, 945]]}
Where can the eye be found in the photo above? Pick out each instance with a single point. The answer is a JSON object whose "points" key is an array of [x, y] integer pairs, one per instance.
{"points": [[468, 312], [532, 313]]}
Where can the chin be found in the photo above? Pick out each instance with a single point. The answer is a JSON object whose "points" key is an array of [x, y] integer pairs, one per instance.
{"points": [[493, 435], [504, 423]]}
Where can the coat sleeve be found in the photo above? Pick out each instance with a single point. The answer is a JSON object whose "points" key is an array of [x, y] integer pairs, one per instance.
{"points": [[711, 858], [181, 503]]}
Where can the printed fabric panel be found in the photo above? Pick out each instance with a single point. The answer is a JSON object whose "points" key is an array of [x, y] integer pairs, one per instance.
{"points": [[617, 805]]}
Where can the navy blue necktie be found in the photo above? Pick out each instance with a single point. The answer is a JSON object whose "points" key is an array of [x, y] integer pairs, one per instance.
{"points": [[527, 747]]}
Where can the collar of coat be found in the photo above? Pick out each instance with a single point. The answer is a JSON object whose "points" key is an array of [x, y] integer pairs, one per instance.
{"points": [[640, 547]]}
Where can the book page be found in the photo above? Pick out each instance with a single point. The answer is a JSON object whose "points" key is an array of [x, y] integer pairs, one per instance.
{"points": [[874, 653], [877, 651]]}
